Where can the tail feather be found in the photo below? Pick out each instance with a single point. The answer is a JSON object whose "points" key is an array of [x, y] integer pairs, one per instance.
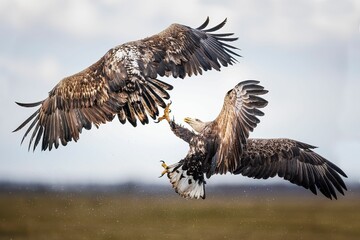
{"points": [[185, 184]]}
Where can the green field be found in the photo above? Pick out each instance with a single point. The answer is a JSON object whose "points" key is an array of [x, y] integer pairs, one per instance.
{"points": [[114, 216]]}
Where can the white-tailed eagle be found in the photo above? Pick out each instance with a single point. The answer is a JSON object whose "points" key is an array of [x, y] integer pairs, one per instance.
{"points": [[124, 83], [223, 145]]}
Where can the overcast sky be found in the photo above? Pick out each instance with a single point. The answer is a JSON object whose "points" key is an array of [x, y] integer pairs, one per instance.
{"points": [[306, 53]]}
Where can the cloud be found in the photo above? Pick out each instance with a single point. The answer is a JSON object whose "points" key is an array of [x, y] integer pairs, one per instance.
{"points": [[285, 23], [278, 22], [304, 52], [42, 69], [78, 18], [85, 18]]}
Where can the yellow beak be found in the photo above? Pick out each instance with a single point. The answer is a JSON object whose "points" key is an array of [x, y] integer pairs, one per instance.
{"points": [[187, 120]]}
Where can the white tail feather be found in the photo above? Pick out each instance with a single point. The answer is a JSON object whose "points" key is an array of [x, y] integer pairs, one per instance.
{"points": [[184, 184]]}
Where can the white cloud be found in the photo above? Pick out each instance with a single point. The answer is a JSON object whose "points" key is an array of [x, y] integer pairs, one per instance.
{"points": [[289, 23], [42, 69], [78, 18], [281, 42], [278, 21]]}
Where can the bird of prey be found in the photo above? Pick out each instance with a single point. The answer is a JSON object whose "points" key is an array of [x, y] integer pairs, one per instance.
{"points": [[124, 83], [223, 145]]}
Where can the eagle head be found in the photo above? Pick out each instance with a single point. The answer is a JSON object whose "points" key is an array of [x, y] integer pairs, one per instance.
{"points": [[195, 124]]}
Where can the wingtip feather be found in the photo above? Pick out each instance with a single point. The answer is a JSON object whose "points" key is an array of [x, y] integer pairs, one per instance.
{"points": [[204, 25], [29, 104]]}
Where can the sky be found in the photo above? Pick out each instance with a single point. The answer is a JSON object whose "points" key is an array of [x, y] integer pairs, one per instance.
{"points": [[306, 53]]}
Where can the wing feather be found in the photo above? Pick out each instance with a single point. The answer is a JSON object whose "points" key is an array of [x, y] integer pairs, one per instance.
{"points": [[74, 103], [124, 83], [34, 116], [185, 51], [150, 103], [122, 116], [237, 118], [294, 161]]}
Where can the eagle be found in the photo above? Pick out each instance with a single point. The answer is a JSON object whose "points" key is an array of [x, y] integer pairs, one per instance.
{"points": [[223, 145], [124, 82]]}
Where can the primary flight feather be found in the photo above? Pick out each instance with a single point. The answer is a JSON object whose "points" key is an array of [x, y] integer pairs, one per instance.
{"points": [[124, 83]]}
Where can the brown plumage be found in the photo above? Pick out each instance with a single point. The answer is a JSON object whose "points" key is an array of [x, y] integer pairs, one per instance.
{"points": [[223, 145], [124, 83], [294, 161]]}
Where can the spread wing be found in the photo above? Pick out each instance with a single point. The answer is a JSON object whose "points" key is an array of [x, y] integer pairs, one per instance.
{"points": [[294, 161], [180, 50], [124, 83], [87, 98], [238, 117]]}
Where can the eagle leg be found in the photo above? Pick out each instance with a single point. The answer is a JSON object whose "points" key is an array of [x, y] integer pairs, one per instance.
{"points": [[166, 114], [165, 168]]}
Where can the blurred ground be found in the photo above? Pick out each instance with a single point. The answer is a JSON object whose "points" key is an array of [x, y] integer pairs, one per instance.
{"points": [[111, 215]]}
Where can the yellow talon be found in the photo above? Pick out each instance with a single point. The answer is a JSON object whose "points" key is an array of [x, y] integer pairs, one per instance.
{"points": [[164, 165], [165, 168], [166, 114]]}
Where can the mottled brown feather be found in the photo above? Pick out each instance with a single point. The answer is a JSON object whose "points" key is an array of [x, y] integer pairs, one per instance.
{"points": [[294, 161], [237, 118], [124, 83]]}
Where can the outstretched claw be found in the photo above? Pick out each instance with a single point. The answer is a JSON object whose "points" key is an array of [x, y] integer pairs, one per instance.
{"points": [[165, 168], [166, 114]]}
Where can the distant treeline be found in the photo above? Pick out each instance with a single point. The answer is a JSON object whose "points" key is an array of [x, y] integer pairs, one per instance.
{"points": [[133, 188]]}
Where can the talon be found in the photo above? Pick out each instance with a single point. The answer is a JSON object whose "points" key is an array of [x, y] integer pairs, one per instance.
{"points": [[163, 173], [166, 114], [165, 168], [164, 164]]}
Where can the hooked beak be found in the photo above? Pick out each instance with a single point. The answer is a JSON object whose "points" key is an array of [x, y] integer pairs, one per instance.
{"points": [[187, 120]]}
